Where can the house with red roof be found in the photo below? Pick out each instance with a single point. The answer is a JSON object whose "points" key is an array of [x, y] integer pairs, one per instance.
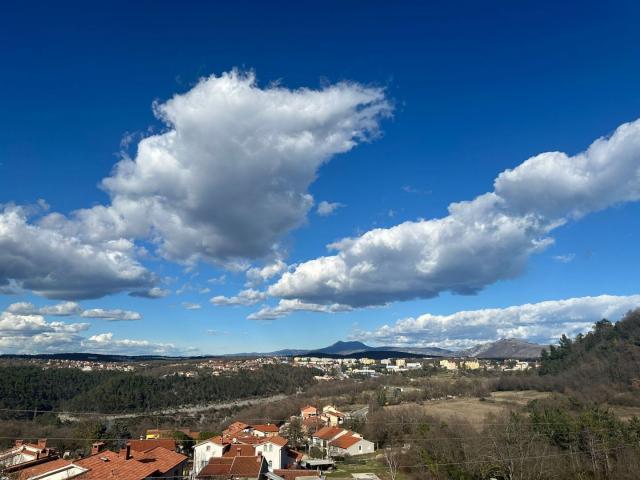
{"points": [[205, 450], [308, 411], [107, 465], [350, 444], [24, 454], [238, 467], [265, 430]]}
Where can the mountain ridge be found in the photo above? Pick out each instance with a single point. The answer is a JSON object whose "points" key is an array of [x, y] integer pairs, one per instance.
{"points": [[502, 348]]}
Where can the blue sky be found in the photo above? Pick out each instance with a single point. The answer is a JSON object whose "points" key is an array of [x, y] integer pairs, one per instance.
{"points": [[428, 103]]}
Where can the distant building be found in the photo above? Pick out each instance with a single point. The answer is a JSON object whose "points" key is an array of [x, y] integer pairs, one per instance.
{"points": [[448, 364]]}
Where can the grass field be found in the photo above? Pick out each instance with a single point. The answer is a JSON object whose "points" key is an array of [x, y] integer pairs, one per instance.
{"points": [[474, 410]]}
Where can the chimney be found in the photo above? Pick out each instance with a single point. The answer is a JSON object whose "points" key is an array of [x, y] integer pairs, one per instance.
{"points": [[238, 452], [42, 443], [259, 457], [126, 452], [19, 443], [96, 447]]}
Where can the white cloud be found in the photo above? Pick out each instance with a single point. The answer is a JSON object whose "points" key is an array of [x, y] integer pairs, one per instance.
{"points": [[21, 333], [327, 208], [32, 333], [62, 266], [224, 182], [155, 292], [249, 296], [191, 306], [60, 310], [542, 322], [105, 343], [481, 241], [112, 315], [256, 276], [286, 307], [72, 309]]}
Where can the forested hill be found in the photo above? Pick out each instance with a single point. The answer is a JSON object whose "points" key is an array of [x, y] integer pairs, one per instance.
{"points": [[604, 364], [31, 388]]}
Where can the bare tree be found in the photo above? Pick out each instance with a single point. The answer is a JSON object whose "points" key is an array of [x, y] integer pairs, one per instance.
{"points": [[392, 461]]}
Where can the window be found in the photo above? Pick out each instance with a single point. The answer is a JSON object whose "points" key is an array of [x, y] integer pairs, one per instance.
{"points": [[208, 448], [359, 448], [270, 463]]}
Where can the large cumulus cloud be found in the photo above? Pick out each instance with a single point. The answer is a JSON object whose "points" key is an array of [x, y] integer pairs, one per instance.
{"points": [[224, 181], [542, 322], [480, 241]]}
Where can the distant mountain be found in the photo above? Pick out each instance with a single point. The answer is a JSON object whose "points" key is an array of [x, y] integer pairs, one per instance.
{"points": [[504, 348], [343, 348]]}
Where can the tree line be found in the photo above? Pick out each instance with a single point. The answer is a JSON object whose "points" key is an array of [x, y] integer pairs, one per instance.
{"points": [[34, 389]]}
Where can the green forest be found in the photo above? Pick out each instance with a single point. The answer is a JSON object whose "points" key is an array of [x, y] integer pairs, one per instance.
{"points": [[34, 389]]}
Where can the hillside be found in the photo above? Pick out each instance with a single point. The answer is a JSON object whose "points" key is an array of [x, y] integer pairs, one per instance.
{"points": [[505, 348], [600, 366]]}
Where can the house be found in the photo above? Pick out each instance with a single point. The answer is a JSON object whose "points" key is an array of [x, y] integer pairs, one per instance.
{"points": [[471, 364], [234, 429], [158, 462], [266, 430], [206, 450], [332, 416], [448, 364], [308, 411], [322, 437], [238, 467], [23, 453], [350, 444], [275, 452]]}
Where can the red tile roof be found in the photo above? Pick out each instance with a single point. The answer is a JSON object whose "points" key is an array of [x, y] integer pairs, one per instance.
{"points": [[328, 433], [234, 467], [276, 440], [163, 458], [108, 465], [144, 445], [345, 441], [292, 474], [266, 428], [43, 468], [240, 450], [295, 455], [236, 427]]}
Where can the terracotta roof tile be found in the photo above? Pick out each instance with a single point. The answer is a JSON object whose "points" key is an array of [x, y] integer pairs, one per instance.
{"points": [[234, 467], [43, 468], [345, 441], [242, 450], [145, 445], [292, 474], [328, 433], [276, 440], [266, 428]]}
